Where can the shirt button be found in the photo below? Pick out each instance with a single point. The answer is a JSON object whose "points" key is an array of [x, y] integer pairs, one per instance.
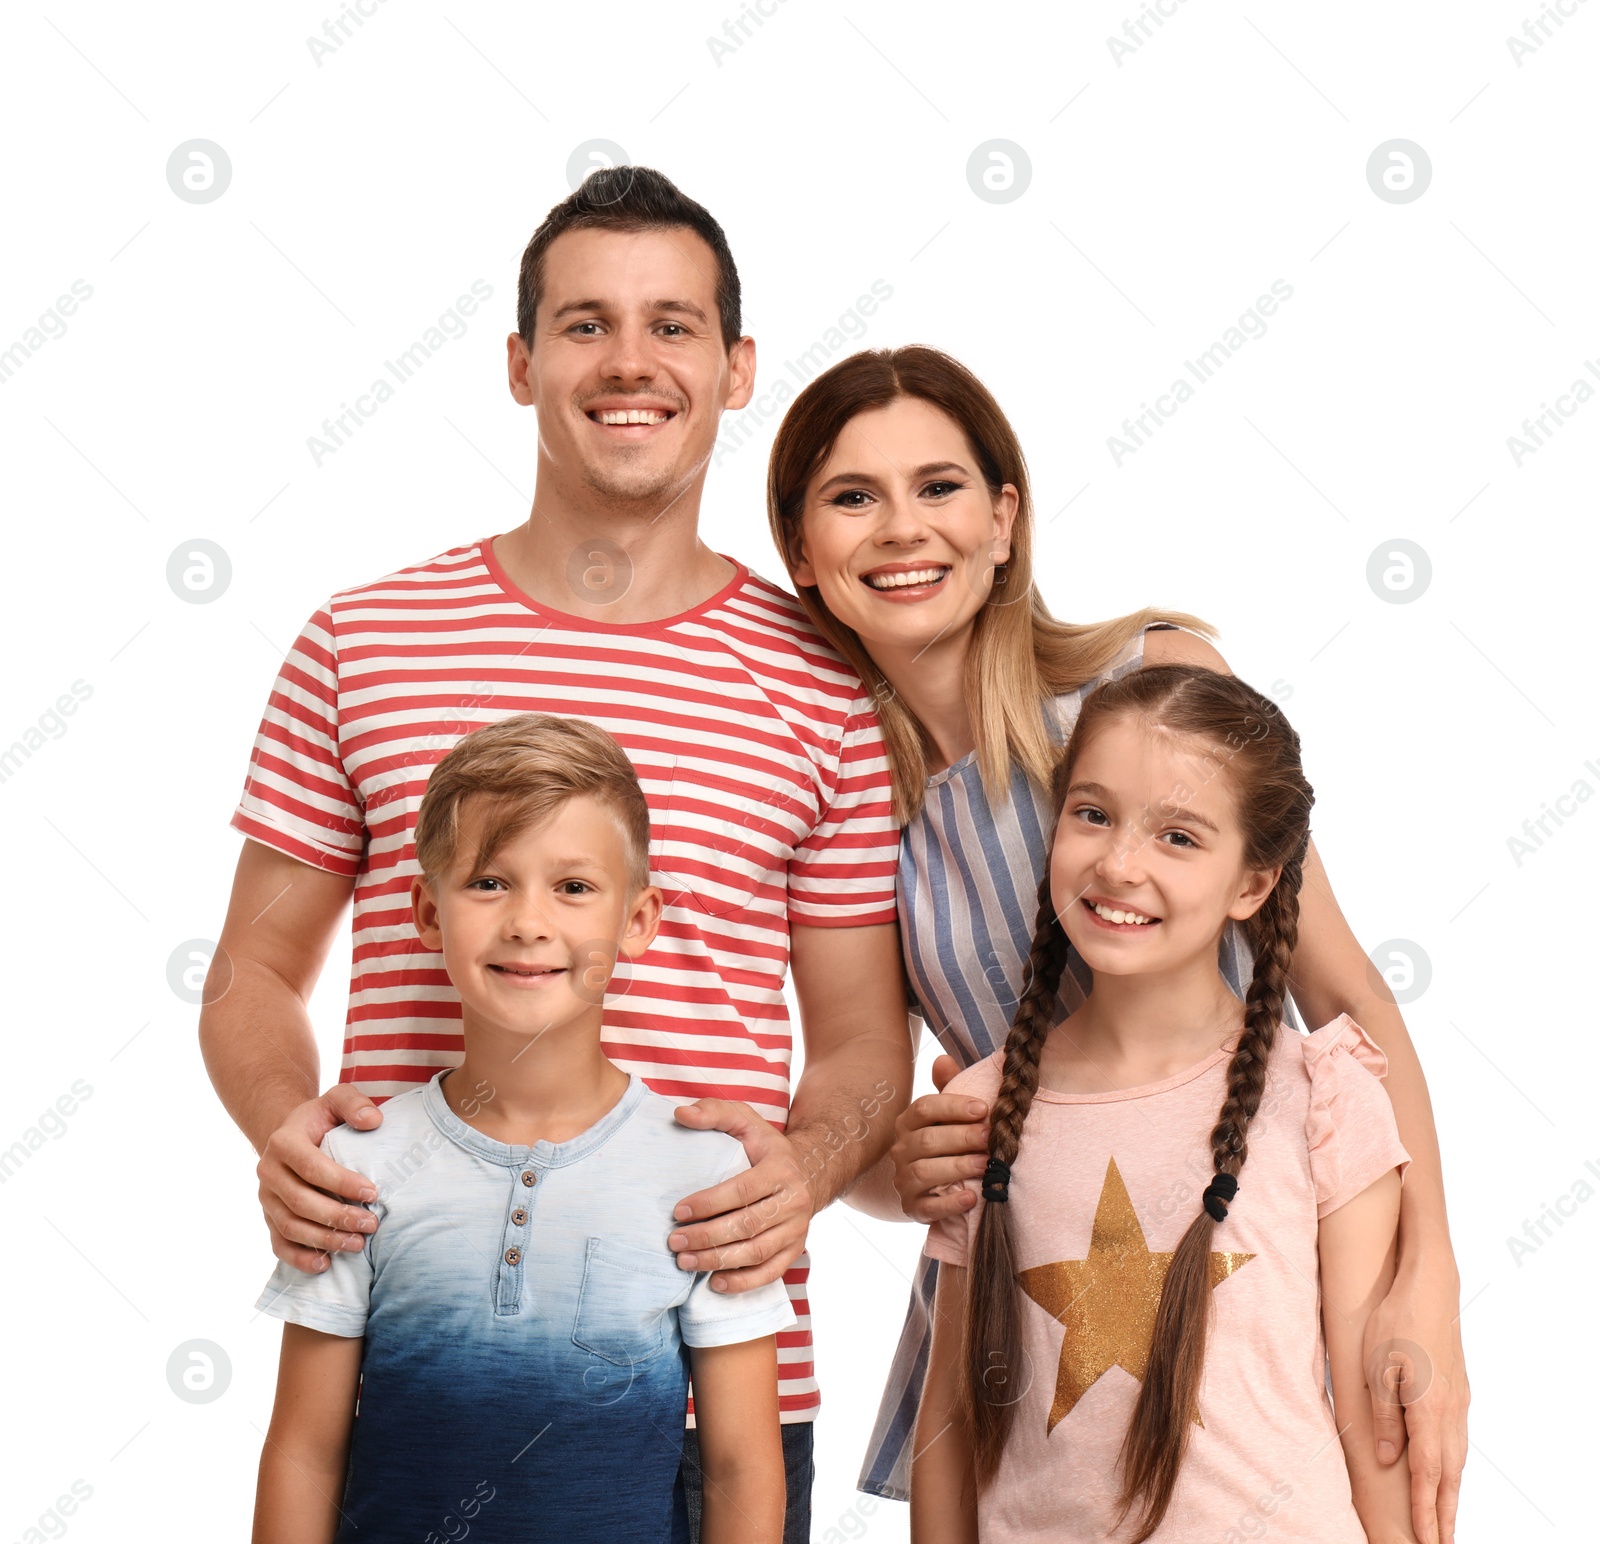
{"points": [[513, 1255], [519, 1216], [528, 1176]]}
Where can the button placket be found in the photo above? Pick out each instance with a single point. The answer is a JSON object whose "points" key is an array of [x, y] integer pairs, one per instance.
{"points": [[514, 1241]]}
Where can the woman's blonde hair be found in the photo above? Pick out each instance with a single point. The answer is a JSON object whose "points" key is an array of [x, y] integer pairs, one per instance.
{"points": [[1020, 653]]}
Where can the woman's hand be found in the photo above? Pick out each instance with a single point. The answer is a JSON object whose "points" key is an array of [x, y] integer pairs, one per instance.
{"points": [[939, 1141], [1418, 1378]]}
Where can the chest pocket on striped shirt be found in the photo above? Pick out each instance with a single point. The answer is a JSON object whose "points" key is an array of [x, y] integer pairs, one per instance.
{"points": [[626, 1300], [723, 838]]}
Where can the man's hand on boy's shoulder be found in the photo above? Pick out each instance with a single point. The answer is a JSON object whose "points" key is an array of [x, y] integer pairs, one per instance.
{"points": [[304, 1192], [750, 1228]]}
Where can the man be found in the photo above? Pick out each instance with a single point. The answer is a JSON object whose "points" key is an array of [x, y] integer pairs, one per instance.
{"points": [[756, 747]]}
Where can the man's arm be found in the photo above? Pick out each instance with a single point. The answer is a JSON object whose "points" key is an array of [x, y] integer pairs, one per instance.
{"points": [[741, 1448], [856, 1080], [301, 1478], [261, 1054]]}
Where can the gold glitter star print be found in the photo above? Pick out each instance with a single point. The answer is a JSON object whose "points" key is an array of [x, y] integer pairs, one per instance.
{"points": [[1107, 1302]]}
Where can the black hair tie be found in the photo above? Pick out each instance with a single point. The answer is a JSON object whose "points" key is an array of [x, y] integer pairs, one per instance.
{"points": [[997, 1181], [1222, 1189]]}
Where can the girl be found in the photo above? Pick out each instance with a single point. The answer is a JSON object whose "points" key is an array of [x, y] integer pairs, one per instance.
{"points": [[1128, 1341], [899, 498]]}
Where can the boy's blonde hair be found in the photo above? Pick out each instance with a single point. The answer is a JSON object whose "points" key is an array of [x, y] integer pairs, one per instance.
{"points": [[528, 766]]}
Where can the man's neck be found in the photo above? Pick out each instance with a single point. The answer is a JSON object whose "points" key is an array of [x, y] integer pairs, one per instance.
{"points": [[616, 564]]}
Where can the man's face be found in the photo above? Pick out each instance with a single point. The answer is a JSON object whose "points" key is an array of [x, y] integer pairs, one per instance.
{"points": [[628, 370]]}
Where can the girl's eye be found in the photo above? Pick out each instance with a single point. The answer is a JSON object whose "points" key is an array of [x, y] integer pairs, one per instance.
{"points": [[1093, 816], [1182, 839]]}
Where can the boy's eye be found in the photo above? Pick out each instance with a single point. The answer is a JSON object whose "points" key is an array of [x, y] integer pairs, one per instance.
{"points": [[574, 887]]}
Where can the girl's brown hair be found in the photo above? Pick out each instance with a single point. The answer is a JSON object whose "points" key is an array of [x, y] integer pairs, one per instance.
{"points": [[1020, 653], [1246, 737]]}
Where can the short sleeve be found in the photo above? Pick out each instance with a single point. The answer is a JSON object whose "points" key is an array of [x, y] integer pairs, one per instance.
{"points": [[334, 1301], [950, 1238], [710, 1318], [1350, 1127], [843, 873], [297, 795]]}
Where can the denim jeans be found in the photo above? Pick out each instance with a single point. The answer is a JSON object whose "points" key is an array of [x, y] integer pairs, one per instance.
{"points": [[798, 1473]]}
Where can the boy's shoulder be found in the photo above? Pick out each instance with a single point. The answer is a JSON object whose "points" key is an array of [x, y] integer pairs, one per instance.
{"points": [[405, 1123], [700, 1157]]}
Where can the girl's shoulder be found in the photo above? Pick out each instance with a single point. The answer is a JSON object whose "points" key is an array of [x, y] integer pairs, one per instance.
{"points": [[1350, 1131], [981, 1080]]}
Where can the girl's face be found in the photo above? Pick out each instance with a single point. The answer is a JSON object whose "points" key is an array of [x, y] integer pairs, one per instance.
{"points": [[1148, 864], [898, 532]]}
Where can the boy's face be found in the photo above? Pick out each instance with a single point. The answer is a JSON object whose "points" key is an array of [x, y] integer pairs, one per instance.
{"points": [[531, 938], [627, 325]]}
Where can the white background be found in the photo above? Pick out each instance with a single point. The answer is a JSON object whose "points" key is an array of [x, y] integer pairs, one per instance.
{"points": [[1167, 192]]}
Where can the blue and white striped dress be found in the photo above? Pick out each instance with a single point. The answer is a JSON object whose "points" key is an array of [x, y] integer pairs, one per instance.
{"points": [[968, 896]]}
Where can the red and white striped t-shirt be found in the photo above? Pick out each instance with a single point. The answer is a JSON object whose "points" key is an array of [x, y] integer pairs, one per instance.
{"points": [[760, 757]]}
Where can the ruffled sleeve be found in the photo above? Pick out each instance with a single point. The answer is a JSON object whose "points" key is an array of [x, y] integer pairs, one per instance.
{"points": [[1350, 1127], [950, 1238]]}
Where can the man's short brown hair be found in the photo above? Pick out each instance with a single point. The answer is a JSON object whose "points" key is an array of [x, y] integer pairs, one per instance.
{"points": [[628, 198], [527, 767]]}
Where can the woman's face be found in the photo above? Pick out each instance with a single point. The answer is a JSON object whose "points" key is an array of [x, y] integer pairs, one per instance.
{"points": [[898, 532]]}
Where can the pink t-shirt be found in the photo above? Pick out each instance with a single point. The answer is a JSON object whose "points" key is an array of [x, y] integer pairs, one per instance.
{"points": [[1102, 1183]]}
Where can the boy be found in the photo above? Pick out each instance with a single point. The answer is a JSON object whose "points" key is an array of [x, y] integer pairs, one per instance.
{"points": [[521, 1334]]}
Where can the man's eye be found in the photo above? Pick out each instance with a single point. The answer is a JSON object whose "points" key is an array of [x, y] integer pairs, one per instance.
{"points": [[579, 326], [677, 329]]}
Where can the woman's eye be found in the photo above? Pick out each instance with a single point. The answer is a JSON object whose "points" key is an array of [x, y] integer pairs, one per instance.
{"points": [[849, 499], [942, 489]]}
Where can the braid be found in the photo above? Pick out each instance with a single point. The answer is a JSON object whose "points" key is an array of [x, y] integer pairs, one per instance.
{"points": [[1158, 1432], [993, 1344]]}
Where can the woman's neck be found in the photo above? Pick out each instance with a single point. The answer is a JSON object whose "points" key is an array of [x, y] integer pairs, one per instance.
{"points": [[932, 683], [1140, 1029]]}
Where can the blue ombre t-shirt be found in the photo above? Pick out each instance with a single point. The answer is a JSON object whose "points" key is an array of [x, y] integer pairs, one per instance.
{"points": [[525, 1370]]}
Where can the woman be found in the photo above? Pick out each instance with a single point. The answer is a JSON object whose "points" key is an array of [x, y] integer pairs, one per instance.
{"points": [[898, 497]]}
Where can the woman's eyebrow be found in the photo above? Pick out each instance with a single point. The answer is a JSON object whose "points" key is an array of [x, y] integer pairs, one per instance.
{"points": [[928, 469]]}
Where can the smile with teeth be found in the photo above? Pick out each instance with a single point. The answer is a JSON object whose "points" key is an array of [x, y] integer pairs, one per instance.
{"points": [[908, 578], [1113, 914], [632, 415]]}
